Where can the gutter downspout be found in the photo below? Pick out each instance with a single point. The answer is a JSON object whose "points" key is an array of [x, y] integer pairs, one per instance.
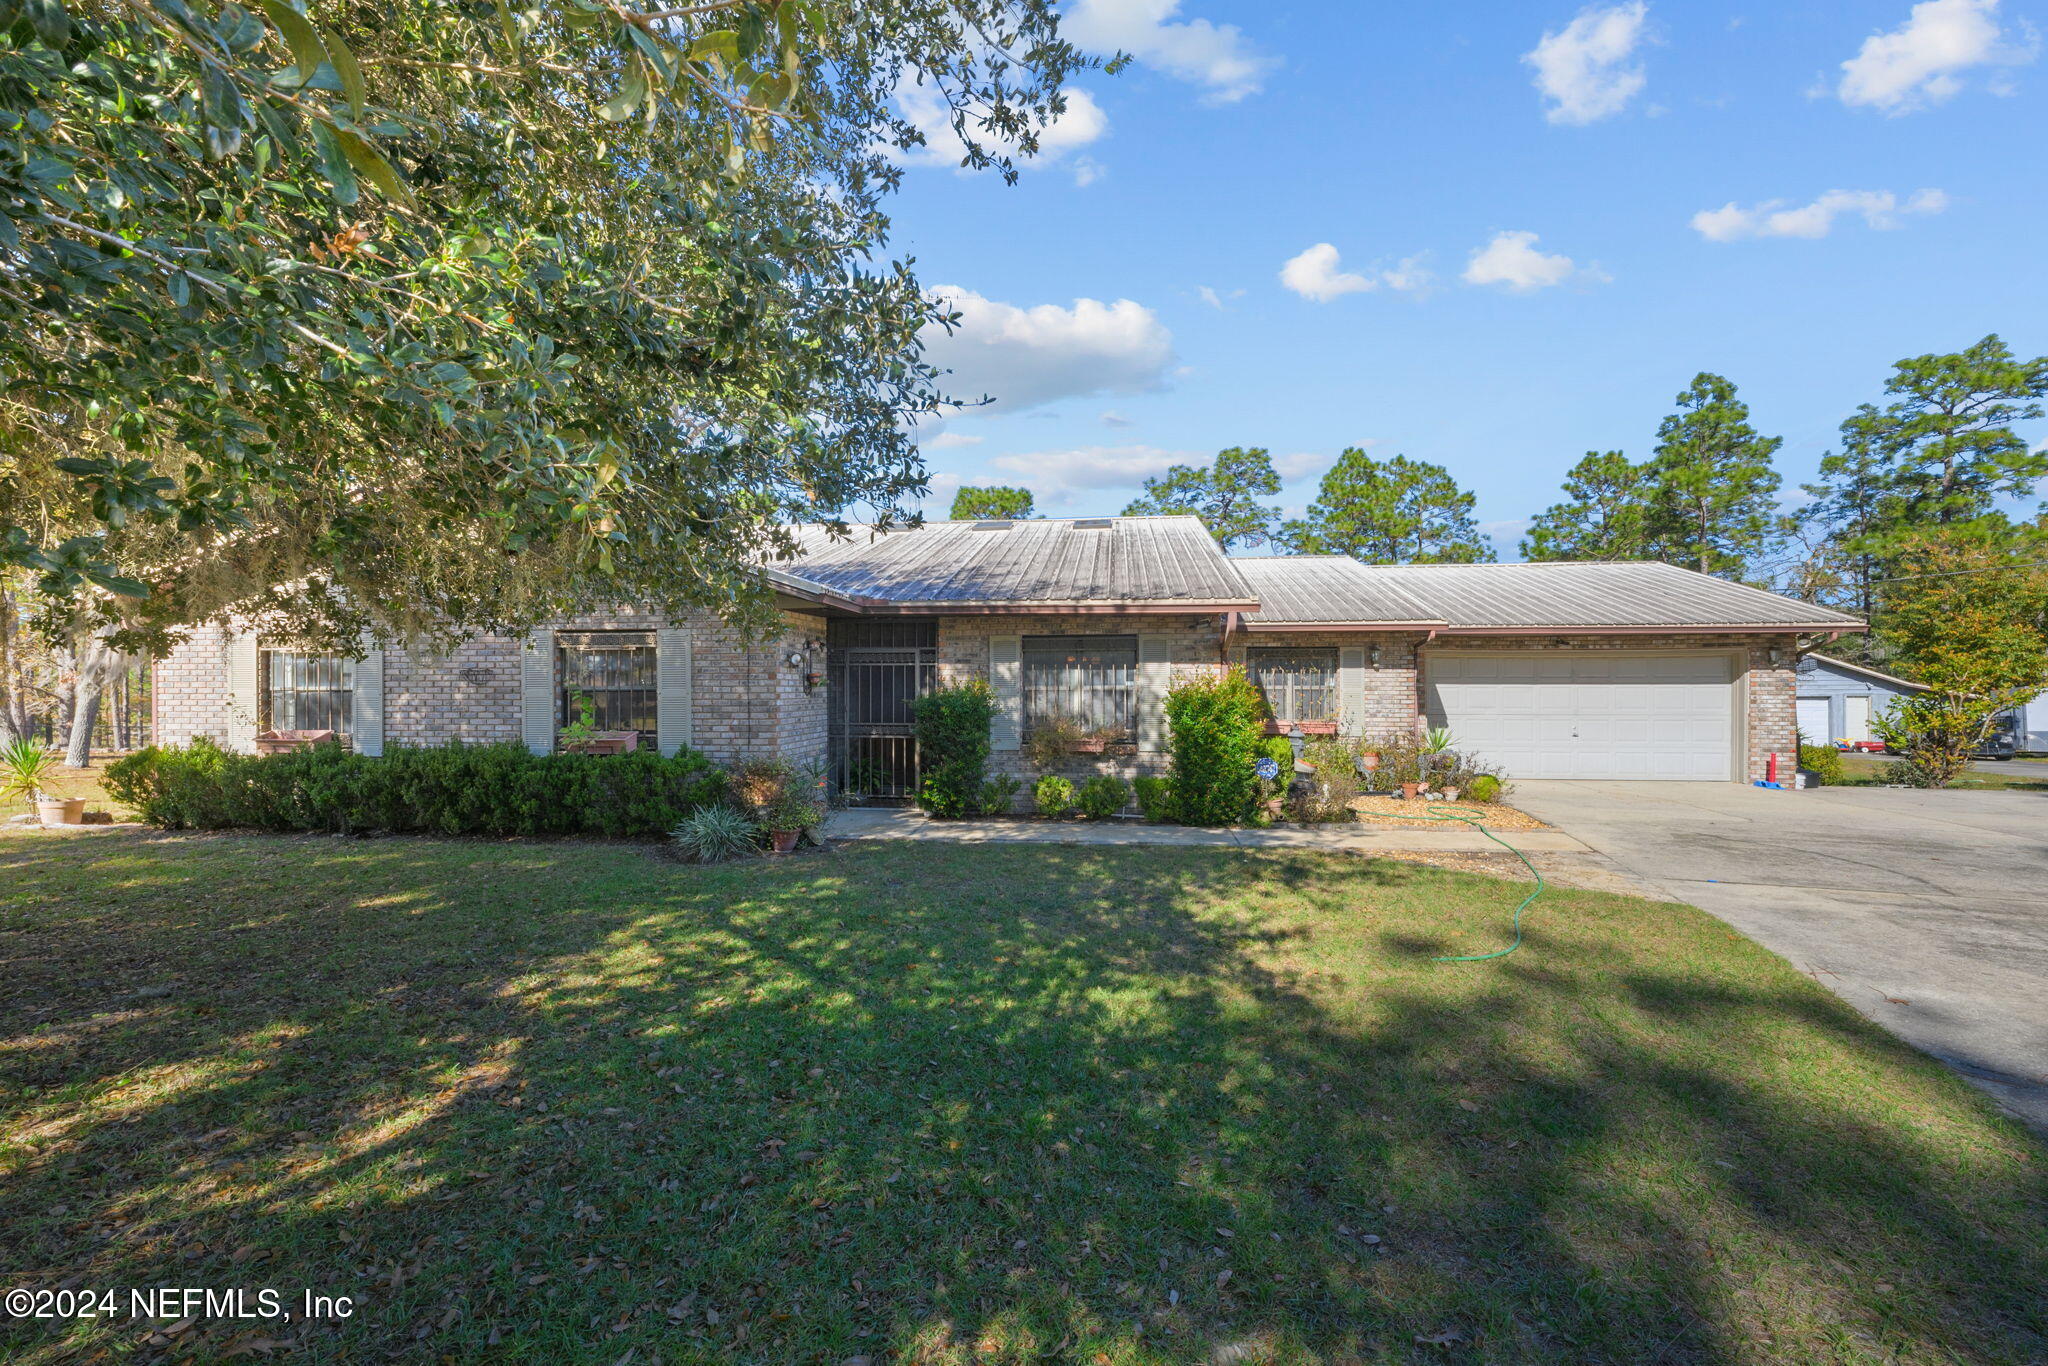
{"points": [[1421, 708]]}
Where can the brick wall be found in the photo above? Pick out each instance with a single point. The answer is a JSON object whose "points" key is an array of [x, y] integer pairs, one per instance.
{"points": [[747, 702], [963, 654], [1392, 685], [190, 689]]}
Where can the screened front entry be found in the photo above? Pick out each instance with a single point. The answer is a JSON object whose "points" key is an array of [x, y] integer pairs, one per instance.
{"points": [[609, 673], [876, 671]]}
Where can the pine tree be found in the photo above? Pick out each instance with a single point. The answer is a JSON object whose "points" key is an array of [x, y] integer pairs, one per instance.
{"points": [[1605, 514], [1225, 496], [1397, 511], [1714, 493]]}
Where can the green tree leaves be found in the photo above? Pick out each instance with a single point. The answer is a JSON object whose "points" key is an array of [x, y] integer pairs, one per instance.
{"points": [[1713, 499], [1225, 496], [1605, 514], [1397, 511], [993, 502], [319, 310]]}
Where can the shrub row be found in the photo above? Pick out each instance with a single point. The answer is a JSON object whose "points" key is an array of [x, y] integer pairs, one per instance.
{"points": [[453, 789]]}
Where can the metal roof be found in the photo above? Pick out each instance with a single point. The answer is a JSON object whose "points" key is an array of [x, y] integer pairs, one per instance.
{"points": [[1845, 666], [1633, 595], [1304, 590], [1130, 564]]}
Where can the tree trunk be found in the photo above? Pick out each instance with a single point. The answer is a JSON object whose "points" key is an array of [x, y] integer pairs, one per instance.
{"points": [[85, 714]]}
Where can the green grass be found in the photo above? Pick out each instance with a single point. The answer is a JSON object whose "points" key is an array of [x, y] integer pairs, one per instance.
{"points": [[1863, 770], [573, 1103]]}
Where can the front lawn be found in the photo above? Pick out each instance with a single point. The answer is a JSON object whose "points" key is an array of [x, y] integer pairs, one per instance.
{"points": [[1865, 770], [919, 1103]]}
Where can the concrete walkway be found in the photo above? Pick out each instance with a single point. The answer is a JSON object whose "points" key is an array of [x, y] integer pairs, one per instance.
{"points": [[906, 823]]}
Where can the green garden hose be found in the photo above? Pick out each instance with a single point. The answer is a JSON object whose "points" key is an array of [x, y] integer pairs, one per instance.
{"points": [[1441, 813]]}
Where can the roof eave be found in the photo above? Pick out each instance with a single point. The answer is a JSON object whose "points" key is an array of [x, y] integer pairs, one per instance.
{"points": [[1719, 628], [1344, 625]]}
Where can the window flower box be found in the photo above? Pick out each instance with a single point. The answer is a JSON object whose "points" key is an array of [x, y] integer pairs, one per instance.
{"points": [[285, 741], [1307, 727], [603, 742], [1087, 745]]}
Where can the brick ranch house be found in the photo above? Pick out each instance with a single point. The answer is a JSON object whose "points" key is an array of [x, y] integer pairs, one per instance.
{"points": [[1626, 670]]}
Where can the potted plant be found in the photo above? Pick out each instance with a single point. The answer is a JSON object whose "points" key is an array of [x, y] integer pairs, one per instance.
{"points": [[25, 765], [284, 741], [798, 808], [582, 736]]}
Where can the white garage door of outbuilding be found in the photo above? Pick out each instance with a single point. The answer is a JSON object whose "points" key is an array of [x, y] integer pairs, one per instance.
{"points": [[1814, 725], [1588, 714]]}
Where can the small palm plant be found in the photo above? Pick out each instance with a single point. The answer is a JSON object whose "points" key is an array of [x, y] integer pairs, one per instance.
{"points": [[25, 765]]}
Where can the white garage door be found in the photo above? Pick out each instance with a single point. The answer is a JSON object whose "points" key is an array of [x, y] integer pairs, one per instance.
{"points": [[1812, 715], [1574, 714]]}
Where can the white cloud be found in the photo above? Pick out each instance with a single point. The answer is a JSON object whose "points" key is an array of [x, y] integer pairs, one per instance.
{"points": [[1775, 218], [1301, 464], [1056, 476], [1024, 357], [1214, 299], [1512, 261], [1921, 62], [948, 440], [1082, 124], [1212, 55], [1087, 170], [1112, 418], [1314, 274], [1583, 70]]}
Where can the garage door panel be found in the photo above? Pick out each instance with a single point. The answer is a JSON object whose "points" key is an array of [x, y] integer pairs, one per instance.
{"points": [[1588, 714]]}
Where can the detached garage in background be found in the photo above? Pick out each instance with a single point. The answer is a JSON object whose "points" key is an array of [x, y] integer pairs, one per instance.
{"points": [[1838, 700]]}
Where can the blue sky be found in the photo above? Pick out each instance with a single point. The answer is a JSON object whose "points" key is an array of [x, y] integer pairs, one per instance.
{"points": [[1510, 227]]}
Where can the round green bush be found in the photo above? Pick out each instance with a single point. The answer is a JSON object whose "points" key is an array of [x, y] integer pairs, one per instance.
{"points": [[1484, 788], [1053, 794], [1155, 798], [1103, 796], [1216, 725]]}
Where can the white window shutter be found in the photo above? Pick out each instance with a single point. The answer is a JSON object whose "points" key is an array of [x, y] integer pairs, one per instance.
{"points": [[1006, 676], [1351, 690], [244, 691], [368, 703], [1155, 676], [673, 707], [537, 692]]}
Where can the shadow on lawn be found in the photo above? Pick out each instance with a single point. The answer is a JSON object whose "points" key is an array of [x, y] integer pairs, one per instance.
{"points": [[559, 1103]]}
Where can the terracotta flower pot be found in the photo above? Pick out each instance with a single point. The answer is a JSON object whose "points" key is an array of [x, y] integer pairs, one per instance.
{"points": [[1411, 790], [1451, 793], [1368, 761], [785, 840], [61, 811]]}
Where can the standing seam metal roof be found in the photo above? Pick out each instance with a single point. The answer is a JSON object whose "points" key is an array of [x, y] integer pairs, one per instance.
{"points": [[1511, 596], [1134, 561]]}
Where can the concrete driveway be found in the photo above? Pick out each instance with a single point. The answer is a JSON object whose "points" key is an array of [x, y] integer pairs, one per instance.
{"points": [[1928, 911]]}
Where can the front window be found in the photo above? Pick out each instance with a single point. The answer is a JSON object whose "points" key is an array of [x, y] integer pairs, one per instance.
{"points": [[1299, 685], [614, 671], [309, 692], [1092, 680]]}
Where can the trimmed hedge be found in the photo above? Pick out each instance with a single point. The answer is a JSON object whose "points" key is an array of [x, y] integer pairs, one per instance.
{"points": [[952, 748], [1218, 724], [453, 789]]}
